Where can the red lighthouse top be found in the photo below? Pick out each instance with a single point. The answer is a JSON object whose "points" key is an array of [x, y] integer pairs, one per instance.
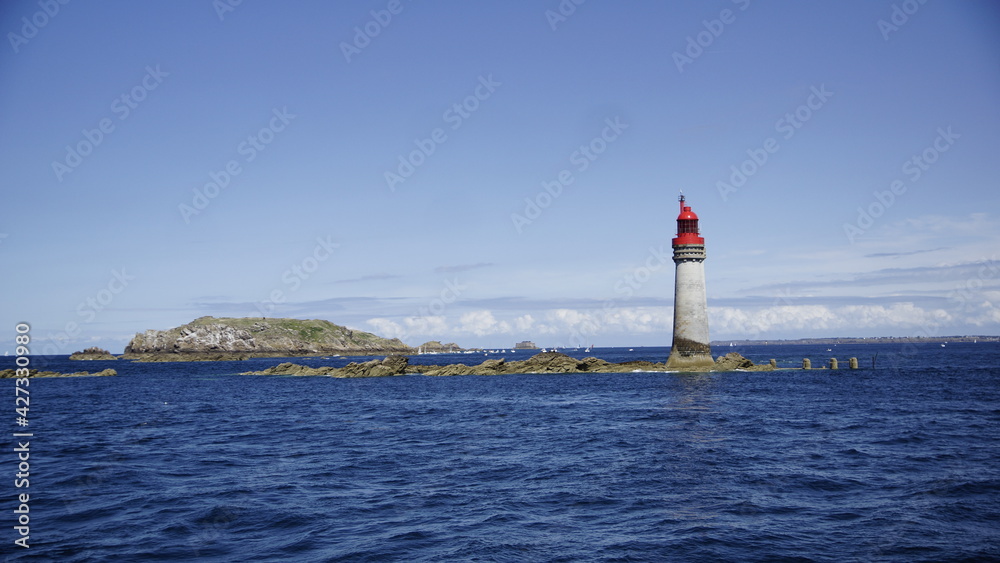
{"points": [[687, 226]]}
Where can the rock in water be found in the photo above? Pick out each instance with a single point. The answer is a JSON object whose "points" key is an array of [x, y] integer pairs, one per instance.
{"points": [[733, 361], [435, 346], [10, 373], [392, 365], [546, 362], [92, 353]]}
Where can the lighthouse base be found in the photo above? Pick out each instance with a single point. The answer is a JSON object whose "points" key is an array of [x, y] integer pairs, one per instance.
{"points": [[688, 353], [678, 361]]}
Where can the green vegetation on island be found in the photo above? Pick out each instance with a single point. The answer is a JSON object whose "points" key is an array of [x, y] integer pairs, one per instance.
{"points": [[92, 353], [215, 339]]}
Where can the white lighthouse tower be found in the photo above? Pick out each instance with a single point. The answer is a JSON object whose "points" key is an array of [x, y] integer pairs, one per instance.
{"points": [[690, 347]]}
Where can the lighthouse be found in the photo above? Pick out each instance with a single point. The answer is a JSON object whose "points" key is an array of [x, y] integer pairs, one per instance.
{"points": [[690, 347]]}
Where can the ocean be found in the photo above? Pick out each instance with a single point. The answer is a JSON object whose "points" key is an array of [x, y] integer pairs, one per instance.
{"points": [[194, 462]]}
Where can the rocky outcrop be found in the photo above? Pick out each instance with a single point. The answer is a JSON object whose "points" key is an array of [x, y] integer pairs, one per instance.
{"points": [[435, 347], [209, 338], [554, 362], [10, 373], [733, 361], [93, 353], [288, 368], [392, 365], [546, 362], [489, 367]]}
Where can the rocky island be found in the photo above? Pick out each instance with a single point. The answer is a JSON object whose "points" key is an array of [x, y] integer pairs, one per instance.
{"points": [[92, 353], [215, 339], [546, 362], [436, 347]]}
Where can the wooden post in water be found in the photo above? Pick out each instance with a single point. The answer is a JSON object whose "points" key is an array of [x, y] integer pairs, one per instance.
{"points": [[806, 364], [833, 363], [774, 364], [853, 363]]}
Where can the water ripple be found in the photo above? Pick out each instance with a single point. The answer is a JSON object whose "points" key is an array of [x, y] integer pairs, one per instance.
{"points": [[194, 463]]}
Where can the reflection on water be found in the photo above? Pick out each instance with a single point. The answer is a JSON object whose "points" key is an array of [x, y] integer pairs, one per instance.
{"points": [[694, 391]]}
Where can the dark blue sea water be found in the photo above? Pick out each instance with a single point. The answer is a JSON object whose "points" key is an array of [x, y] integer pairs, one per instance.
{"points": [[191, 461]]}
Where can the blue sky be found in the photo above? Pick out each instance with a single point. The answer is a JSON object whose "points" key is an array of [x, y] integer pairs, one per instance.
{"points": [[491, 172]]}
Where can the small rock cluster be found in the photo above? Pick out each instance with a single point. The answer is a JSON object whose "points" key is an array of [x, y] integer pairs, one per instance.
{"points": [[92, 353], [392, 365], [33, 373]]}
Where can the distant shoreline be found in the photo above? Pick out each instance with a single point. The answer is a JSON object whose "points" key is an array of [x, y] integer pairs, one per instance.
{"points": [[860, 340]]}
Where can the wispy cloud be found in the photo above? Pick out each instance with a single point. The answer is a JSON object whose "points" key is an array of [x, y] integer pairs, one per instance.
{"points": [[461, 268], [898, 254], [321, 308], [372, 277], [814, 320], [901, 277], [758, 301]]}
